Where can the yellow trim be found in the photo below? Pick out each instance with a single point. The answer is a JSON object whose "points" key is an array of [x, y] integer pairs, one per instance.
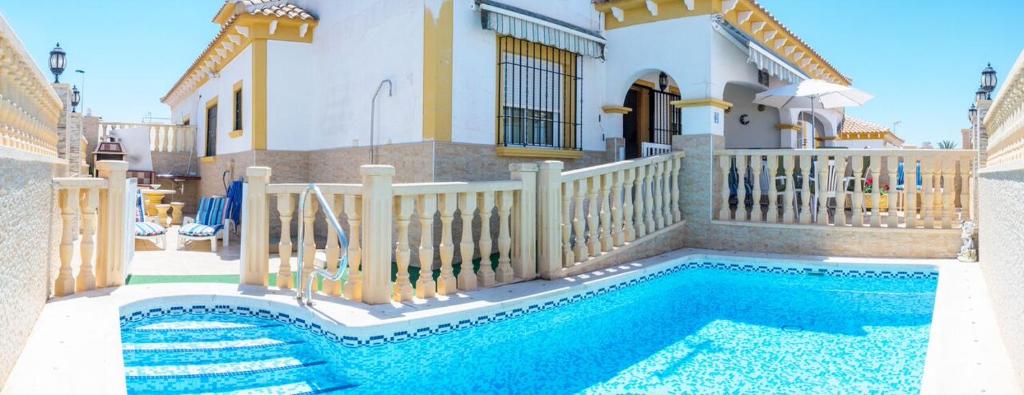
{"points": [[210, 103], [235, 105], [722, 104], [541, 153], [186, 120], [671, 89], [235, 134], [438, 36], [783, 127], [635, 12], [616, 110], [259, 94], [207, 159]]}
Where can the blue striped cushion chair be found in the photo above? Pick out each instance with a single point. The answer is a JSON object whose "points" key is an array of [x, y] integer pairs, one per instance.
{"points": [[147, 229], [197, 230]]}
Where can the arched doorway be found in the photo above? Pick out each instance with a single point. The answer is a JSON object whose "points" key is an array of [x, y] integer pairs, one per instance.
{"points": [[648, 128]]}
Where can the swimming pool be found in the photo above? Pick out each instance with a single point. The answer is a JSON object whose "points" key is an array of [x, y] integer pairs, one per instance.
{"points": [[692, 327]]}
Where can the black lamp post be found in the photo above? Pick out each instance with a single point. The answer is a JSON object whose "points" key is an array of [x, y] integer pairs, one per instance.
{"points": [[662, 81], [988, 79], [58, 61], [981, 94], [76, 97], [972, 112]]}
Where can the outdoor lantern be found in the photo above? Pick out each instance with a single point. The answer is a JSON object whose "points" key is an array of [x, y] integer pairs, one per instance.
{"points": [[58, 60], [972, 112], [76, 97], [981, 94], [662, 81], [988, 78]]}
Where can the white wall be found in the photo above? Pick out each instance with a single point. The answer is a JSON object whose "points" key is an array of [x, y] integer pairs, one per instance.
{"points": [[761, 131], [220, 86], [290, 87], [357, 44], [475, 70]]}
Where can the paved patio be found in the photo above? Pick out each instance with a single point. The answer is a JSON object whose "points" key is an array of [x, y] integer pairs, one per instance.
{"points": [[194, 259]]}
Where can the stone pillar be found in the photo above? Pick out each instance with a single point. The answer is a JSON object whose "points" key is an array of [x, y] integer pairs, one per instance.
{"points": [[789, 135], [524, 264], [255, 244], [549, 218], [110, 262], [376, 232], [69, 132], [703, 134]]}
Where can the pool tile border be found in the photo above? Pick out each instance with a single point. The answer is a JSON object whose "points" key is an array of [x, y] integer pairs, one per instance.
{"points": [[499, 316]]}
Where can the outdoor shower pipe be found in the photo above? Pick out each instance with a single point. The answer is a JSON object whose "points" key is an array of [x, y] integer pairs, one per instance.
{"points": [[342, 241], [373, 111]]}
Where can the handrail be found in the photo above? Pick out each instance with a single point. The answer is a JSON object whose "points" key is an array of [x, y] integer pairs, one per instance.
{"points": [[342, 241]]}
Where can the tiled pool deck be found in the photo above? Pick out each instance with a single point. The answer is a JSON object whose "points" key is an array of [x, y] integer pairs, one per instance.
{"points": [[78, 338]]}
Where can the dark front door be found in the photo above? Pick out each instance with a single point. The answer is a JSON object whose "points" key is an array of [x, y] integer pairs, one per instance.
{"points": [[630, 126]]}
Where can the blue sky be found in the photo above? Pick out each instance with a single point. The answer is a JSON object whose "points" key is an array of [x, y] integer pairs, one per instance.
{"points": [[921, 59]]}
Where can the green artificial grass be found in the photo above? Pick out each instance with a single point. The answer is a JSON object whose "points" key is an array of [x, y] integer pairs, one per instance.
{"points": [[414, 274]]}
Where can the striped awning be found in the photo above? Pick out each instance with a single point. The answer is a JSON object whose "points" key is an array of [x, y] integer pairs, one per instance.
{"points": [[768, 62], [512, 21]]}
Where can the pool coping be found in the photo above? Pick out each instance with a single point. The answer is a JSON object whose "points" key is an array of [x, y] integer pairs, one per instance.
{"points": [[54, 349]]}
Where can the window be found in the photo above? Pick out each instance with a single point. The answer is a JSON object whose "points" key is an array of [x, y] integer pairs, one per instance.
{"points": [[538, 95], [238, 107], [211, 128]]}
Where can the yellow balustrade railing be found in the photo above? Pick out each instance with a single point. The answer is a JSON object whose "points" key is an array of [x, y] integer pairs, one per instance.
{"points": [[1005, 119], [888, 189], [29, 107], [518, 223], [162, 138]]}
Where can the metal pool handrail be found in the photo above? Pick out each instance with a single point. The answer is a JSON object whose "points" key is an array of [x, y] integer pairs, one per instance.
{"points": [[342, 241]]}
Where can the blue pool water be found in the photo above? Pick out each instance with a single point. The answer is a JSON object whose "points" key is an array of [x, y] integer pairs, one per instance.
{"points": [[694, 331]]}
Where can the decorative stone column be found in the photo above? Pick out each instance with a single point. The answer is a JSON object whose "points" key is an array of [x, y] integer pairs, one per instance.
{"points": [[69, 132], [703, 133], [789, 135]]}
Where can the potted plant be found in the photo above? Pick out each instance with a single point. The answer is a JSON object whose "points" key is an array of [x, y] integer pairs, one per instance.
{"points": [[883, 199]]}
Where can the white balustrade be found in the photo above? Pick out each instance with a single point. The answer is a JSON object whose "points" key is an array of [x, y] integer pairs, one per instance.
{"points": [[840, 187], [29, 106], [162, 138]]}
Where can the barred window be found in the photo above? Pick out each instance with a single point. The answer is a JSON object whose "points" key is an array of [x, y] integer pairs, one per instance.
{"points": [[539, 95]]}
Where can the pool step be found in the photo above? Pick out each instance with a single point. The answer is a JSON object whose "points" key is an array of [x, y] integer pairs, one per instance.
{"points": [[315, 375], [184, 355], [269, 330]]}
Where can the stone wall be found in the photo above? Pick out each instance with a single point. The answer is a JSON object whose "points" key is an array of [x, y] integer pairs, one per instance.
{"points": [[29, 236], [1001, 249]]}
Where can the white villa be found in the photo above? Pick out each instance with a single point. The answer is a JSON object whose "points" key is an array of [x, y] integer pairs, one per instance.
{"points": [[440, 165]]}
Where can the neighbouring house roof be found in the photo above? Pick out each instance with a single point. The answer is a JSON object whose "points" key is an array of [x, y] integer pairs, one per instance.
{"points": [[233, 36], [858, 129]]}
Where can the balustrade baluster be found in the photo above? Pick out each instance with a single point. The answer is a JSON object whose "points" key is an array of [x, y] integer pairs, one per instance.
{"points": [[638, 204], [593, 245], [65, 283], [628, 229], [876, 190], [485, 275], [839, 218], [677, 214], [666, 193], [467, 210], [403, 216], [858, 190], [446, 283], [948, 192], [568, 257], [966, 188], [756, 164], [354, 210], [505, 273], [805, 189], [332, 249], [789, 214], [649, 204], [285, 208], [579, 221], [426, 206], [309, 242], [927, 197], [773, 189], [742, 194], [618, 234], [606, 215], [724, 164], [910, 189], [89, 203], [892, 167]]}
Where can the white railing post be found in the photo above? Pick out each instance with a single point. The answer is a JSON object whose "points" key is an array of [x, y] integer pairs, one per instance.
{"points": [[376, 235], [549, 217], [65, 283], [110, 265], [285, 208], [86, 279], [525, 264], [255, 243]]}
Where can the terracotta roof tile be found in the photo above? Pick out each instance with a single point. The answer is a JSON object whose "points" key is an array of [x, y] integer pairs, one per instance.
{"points": [[276, 8], [855, 125]]}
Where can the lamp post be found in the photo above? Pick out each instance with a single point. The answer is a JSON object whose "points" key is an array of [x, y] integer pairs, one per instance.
{"points": [[58, 61], [76, 97], [988, 79], [82, 72]]}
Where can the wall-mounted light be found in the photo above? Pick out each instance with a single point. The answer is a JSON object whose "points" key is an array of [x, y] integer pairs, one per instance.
{"points": [[662, 81]]}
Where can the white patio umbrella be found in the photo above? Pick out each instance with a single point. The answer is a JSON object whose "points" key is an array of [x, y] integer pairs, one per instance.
{"points": [[813, 94]]}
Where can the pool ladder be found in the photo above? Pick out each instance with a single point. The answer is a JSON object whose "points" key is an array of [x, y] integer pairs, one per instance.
{"points": [[332, 220]]}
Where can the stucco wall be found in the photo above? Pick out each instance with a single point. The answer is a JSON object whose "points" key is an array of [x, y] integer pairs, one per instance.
{"points": [[28, 241], [1001, 249], [221, 89]]}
